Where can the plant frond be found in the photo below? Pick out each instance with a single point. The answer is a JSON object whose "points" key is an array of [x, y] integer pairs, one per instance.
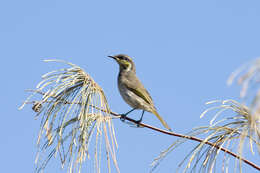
{"points": [[230, 132], [248, 76], [73, 108]]}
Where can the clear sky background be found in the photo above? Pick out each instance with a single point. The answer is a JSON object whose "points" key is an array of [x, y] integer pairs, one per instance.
{"points": [[184, 52]]}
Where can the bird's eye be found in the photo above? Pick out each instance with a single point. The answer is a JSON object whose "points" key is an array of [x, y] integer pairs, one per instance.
{"points": [[124, 58]]}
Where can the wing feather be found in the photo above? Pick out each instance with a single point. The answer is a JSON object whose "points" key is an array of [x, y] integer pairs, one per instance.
{"points": [[137, 88]]}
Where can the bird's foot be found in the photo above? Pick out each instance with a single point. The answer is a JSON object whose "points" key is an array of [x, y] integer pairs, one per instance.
{"points": [[138, 123], [122, 117]]}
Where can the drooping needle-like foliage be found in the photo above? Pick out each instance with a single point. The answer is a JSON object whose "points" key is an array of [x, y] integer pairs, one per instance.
{"points": [[233, 125], [73, 110]]}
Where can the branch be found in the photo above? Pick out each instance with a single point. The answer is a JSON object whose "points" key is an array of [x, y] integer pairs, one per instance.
{"points": [[166, 132], [190, 138]]}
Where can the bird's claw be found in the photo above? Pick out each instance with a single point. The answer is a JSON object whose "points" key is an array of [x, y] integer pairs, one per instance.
{"points": [[122, 117], [138, 123]]}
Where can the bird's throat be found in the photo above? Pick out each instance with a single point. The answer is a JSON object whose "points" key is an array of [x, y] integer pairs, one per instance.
{"points": [[126, 67]]}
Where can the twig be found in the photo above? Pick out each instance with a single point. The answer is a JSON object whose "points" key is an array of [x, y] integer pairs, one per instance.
{"points": [[190, 138], [169, 133]]}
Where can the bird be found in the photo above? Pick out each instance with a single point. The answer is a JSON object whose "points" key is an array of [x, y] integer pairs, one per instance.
{"points": [[132, 90]]}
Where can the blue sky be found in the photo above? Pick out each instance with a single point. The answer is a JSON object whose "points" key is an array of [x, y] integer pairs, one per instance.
{"points": [[184, 52]]}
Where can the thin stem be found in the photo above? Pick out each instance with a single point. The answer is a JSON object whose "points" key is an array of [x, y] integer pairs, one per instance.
{"points": [[171, 134], [190, 138]]}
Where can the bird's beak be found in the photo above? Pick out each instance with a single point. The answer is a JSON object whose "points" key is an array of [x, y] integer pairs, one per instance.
{"points": [[112, 57]]}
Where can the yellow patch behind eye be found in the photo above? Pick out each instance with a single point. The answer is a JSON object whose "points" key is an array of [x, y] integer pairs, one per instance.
{"points": [[126, 64]]}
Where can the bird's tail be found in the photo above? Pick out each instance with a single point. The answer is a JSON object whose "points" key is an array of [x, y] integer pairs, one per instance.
{"points": [[162, 121]]}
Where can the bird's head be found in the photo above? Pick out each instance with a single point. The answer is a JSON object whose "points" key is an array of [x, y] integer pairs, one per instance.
{"points": [[125, 62]]}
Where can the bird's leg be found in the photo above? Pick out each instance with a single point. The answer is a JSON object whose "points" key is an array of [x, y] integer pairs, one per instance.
{"points": [[139, 121], [123, 116]]}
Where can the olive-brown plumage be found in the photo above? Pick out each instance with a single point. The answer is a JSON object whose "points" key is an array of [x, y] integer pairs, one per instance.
{"points": [[131, 88]]}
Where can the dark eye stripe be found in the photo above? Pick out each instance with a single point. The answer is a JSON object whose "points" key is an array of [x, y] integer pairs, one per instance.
{"points": [[124, 58]]}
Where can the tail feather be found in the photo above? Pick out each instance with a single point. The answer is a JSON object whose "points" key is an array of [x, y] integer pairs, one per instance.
{"points": [[161, 119]]}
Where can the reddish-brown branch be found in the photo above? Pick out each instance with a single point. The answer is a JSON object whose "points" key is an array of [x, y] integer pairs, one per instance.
{"points": [[191, 138]]}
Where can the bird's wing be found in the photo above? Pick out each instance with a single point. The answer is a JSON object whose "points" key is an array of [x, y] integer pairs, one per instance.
{"points": [[137, 87]]}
